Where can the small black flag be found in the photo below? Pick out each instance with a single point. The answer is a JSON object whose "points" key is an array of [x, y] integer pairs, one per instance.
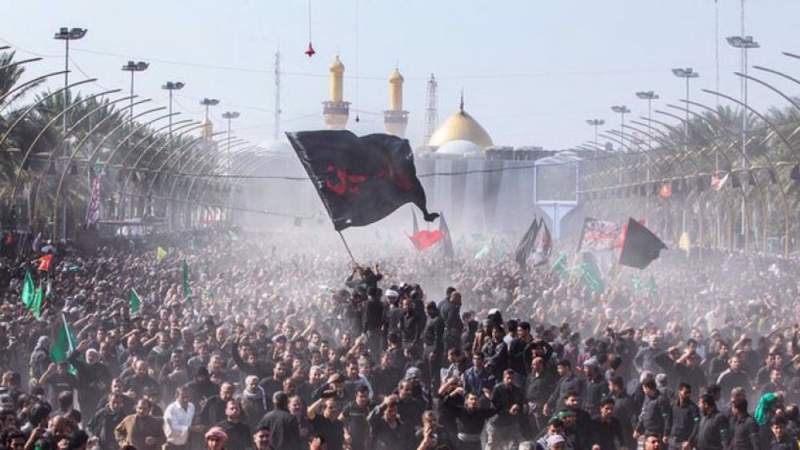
{"points": [[447, 241], [360, 179], [641, 246], [527, 244]]}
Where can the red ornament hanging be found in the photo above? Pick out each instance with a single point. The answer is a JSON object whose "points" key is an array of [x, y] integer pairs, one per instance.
{"points": [[310, 51]]}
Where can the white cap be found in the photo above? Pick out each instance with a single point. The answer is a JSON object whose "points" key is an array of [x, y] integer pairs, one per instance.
{"points": [[555, 439]]}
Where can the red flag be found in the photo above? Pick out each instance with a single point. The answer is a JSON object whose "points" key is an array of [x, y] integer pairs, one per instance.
{"points": [[425, 239], [665, 191], [44, 262]]}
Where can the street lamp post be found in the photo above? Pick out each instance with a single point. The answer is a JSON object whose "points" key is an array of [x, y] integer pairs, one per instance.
{"points": [[649, 96], [172, 86], [208, 103], [66, 34], [596, 123], [743, 43], [687, 73], [621, 110], [229, 115], [134, 67]]}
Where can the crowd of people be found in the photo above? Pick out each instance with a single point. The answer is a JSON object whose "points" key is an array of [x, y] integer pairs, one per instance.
{"points": [[268, 343]]}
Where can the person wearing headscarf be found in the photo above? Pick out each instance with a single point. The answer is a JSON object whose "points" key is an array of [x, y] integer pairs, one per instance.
{"points": [[40, 358], [253, 401], [216, 438]]}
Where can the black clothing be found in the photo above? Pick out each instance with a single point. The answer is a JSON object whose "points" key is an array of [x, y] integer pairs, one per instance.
{"points": [[787, 443], [566, 384], [331, 430], [239, 435], [503, 398], [283, 428], [744, 434], [355, 421], [606, 434], [655, 415], [213, 411], [102, 425], [713, 431], [685, 421]]}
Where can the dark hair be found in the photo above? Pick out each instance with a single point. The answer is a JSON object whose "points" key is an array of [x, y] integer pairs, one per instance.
{"points": [[650, 384], [263, 428], [740, 404], [362, 389], [40, 412], [280, 400], [565, 363], [449, 290], [572, 394], [618, 381], [65, 399], [11, 435], [713, 389], [525, 326], [778, 420], [684, 385], [708, 399], [607, 401]]}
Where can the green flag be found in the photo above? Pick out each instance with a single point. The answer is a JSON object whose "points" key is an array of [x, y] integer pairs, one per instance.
{"points": [[187, 291], [28, 290], [590, 275], [64, 344], [135, 302], [652, 289], [560, 265], [36, 303]]}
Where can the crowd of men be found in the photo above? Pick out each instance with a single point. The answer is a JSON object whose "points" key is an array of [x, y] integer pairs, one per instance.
{"points": [[268, 344]]}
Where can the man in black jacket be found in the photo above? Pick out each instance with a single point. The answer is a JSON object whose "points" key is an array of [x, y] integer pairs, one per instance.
{"points": [[744, 430], [656, 412], [450, 310], [238, 432], [107, 418], [433, 341], [284, 432], [685, 419], [508, 400], [569, 382], [714, 428], [374, 322]]}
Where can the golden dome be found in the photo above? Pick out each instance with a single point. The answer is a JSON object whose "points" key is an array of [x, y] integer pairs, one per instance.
{"points": [[337, 65], [461, 127]]}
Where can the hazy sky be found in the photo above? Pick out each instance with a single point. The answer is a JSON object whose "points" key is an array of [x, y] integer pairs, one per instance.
{"points": [[532, 71]]}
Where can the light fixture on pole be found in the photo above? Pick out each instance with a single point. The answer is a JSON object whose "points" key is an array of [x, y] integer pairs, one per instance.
{"points": [[230, 115], [649, 96], [134, 67], [596, 123], [172, 86], [744, 43], [621, 110], [687, 73], [67, 34], [208, 103]]}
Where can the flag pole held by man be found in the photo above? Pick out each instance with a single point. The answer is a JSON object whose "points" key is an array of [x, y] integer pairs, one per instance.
{"points": [[641, 246]]}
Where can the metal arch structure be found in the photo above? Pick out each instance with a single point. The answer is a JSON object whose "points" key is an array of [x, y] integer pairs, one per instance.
{"points": [[90, 157], [769, 161], [26, 85], [187, 128], [31, 108], [55, 118]]}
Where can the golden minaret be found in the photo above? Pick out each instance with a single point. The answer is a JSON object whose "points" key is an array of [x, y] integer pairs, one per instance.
{"points": [[336, 110], [395, 119]]}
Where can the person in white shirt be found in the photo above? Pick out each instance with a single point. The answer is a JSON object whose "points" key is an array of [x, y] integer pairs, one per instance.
{"points": [[178, 420]]}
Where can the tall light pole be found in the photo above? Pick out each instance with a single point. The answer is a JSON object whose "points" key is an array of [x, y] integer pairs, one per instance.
{"points": [[229, 115], [621, 110], [134, 67], [687, 73], [208, 103], [172, 86], [649, 96], [743, 43], [596, 123], [67, 34]]}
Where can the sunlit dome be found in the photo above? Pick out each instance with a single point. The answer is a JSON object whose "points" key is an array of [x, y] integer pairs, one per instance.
{"points": [[461, 127], [460, 148]]}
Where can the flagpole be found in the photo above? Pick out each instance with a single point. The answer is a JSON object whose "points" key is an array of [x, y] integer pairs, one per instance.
{"points": [[347, 247]]}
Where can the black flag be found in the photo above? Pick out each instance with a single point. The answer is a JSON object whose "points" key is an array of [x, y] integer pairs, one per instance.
{"points": [[641, 246], [527, 244], [360, 179], [447, 241]]}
